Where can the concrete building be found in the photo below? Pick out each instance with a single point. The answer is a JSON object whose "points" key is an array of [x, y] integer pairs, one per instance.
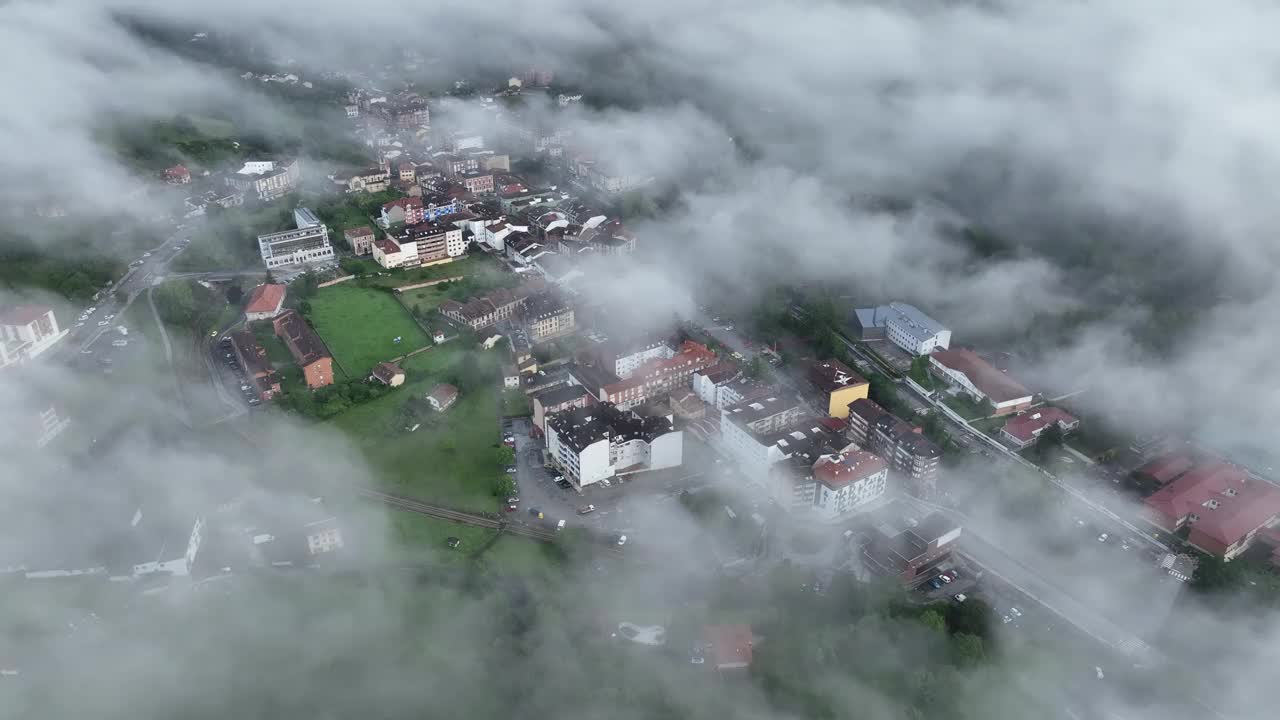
{"points": [[309, 353], [267, 179], [980, 380], [404, 211], [265, 302], [556, 400], [600, 441], [908, 451], [547, 316], [1024, 430], [257, 367], [305, 218], [388, 374], [360, 239], [496, 233], [478, 182], [489, 310], [835, 486], [649, 380], [372, 180], [909, 553], [26, 332], [903, 325], [747, 430], [839, 386], [303, 246], [1225, 508], [442, 397]]}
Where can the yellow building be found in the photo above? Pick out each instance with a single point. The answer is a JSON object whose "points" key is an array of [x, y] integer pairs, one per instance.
{"points": [[841, 385]]}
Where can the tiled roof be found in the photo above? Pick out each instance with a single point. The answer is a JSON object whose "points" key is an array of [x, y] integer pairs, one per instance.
{"points": [[1026, 426], [265, 298], [993, 383]]}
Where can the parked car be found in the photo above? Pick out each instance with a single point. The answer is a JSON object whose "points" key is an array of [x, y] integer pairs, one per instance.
{"points": [[511, 470], [945, 580], [559, 526], [586, 509], [512, 508], [536, 513], [513, 500], [622, 539], [119, 343], [959, 597], [935, 583], [1103, 537]]}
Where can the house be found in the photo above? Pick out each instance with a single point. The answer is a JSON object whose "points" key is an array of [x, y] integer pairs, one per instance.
{"points": [[437, 336], [496, 233], [1023, 431], [558, 399], [407, 172], [404, 211], [372, 180], [177, 175], [265, 302], [388, 374], [478, 182], [656, 376], [903, 325], [266, 179], [360, 238], [303, 246], [27, 331], [442, 397], [257, 367], [510, 377], [1163, 470], [547, 316], [600, 441], [980, 380], [727, 647], [908, 451], [1224, 507], [834, 486], [686, 405], [838, 384], [309, 353], [908, 551], [488, 310]]}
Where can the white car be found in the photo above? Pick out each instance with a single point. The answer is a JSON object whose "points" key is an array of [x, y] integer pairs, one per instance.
{"points": [[146, 254], [112, 316], [79, 324], [1103, 537], [103, 323], [622, 539], [91, 310], [1015, 612]]}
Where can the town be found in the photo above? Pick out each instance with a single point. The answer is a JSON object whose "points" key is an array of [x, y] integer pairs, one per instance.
{"points": [[440, 308]]}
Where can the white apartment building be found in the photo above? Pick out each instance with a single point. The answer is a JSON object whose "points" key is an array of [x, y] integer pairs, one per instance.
{"points": [[598, 442], [267, 179], [302, 246], [845, 483], [626, 362], [907, 327], [495, 234], [755, 432], [26, 331]]}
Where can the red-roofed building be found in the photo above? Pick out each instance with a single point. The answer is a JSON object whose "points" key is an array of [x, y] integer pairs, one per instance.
{"points": [[405, 211], [1223, 505], [657, 376], [1025, 429], [265, 302], [728, 647], [981, 380], [177, 175], [27, 331], [1164, 469]]}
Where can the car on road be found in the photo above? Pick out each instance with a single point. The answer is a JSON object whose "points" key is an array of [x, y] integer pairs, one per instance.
{"points": [[146, 254], [103, 323], [112, 316], [86, 351], [511, 470], [254, 401], [512, 508], [91, 310], [622, 540], [1015, 612], [119, 343], [513, 500], [605, 482], [586, 509], [79, 324], [959, 597], [1103, 537], [536, 513]]}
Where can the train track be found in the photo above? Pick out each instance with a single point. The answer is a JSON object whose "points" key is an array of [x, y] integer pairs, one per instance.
{"points": [[421, 508]]}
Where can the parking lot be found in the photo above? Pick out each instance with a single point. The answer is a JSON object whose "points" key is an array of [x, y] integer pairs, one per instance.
{"points": [[231, 376]]}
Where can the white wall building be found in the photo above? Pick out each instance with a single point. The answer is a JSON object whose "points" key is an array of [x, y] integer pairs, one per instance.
{"points": [[26, 331], [845, 483], [908, 328], [302, 246], [754, 432], [626, 364], [598, 442], [495, 234]]}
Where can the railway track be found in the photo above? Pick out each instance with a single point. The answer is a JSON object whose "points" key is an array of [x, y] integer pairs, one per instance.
{"points": [[421, 508]]}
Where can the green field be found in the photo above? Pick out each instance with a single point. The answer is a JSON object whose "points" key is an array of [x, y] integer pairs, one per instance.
{"points": [[359, 326], [454, 458]]}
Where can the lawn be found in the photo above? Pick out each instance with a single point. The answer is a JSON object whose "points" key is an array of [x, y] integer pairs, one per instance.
{"points": [[453, 459], [473, 264], [420, 531], [965, 407], [359, 325]]}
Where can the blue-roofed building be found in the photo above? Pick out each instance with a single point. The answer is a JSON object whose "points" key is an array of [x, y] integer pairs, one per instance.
{"points": [[903, 325]]}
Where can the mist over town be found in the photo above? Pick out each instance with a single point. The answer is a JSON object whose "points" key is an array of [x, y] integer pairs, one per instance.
{"points": [[663, 360]]}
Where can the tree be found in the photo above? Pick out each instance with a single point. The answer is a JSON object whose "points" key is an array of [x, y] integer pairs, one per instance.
{"points": [[1214, 574], [971, 617], [235, 294], [920, 372], [754, 368], [504, 486], [933, 620], [968, 649]]}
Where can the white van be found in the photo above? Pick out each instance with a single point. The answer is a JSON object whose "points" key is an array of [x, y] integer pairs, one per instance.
{"points": [[559, 526]]}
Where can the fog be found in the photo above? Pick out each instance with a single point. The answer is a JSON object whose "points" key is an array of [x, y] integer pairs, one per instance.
{"points": [[1123, 152]]}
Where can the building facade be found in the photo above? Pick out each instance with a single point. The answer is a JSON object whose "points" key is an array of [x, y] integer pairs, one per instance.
{"points": [[26, 332], [267, 179], [304, 246], [309, 353], [980, 380], [360, 239], [839, 386], [905, 326], [601, 441], [908, 451], [265, 302]]}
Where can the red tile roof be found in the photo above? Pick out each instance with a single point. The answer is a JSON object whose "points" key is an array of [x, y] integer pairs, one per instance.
{"points": [[265, 298], [23, 314], [1253, 506], [840, 470], [984, 376], [1243, 504], [1026, 426], [834, 424], [444, 393], [730, 645], [387, 246], [1166, 468]]}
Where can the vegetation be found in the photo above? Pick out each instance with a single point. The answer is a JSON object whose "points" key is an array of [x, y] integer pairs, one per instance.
{"points": [[361, 326], [516, 404], [966, 407], [920, 372], [76, 277], [188, 305], [228, 239]]}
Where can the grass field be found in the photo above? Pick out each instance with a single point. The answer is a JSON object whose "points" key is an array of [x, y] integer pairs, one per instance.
{"points": [[508, 554], [453, 460], [474, 264], [360, 324]]}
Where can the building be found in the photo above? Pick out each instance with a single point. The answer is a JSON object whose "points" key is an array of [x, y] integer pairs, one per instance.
{"points": [[407, 172], [1023, 430], [980, 380], [26, 332], [747, 430], [903, 325], [1163, 470], [908, 451], [839, 386], [305, 218], [372, 180], [437, 241], [623, 356], [478, 182], [302, 246], [488, 310], [177, 175], [388, 374], [265, 302], [833, 487], [912, 553], [442, 397], [657, 376], [556, 400], [309, 353], [257, 367], [496, 233], [547, 316], [360, 239], [600, 441], [267, 179], [1224, 507], [404, 211], [727, 647]]}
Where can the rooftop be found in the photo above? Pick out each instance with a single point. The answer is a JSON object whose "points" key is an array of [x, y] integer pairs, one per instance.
{"points": [[560, 395], [845, 468], [833, 375], [907, 317], [730, 645], [300, 338], [1027, 426], [1228, 502], [993, 383], [23, 314], [581, 427], [265, 298], [1166, 468], [444, 393], [386, 372], [749, 411]]}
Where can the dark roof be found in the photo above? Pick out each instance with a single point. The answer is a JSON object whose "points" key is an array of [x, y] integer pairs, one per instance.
{"points": [[832, 375], [560, 395], [1028, 425], [301, 340], [1166, 468], [252, 354], [580, 427], [385, 372]]}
